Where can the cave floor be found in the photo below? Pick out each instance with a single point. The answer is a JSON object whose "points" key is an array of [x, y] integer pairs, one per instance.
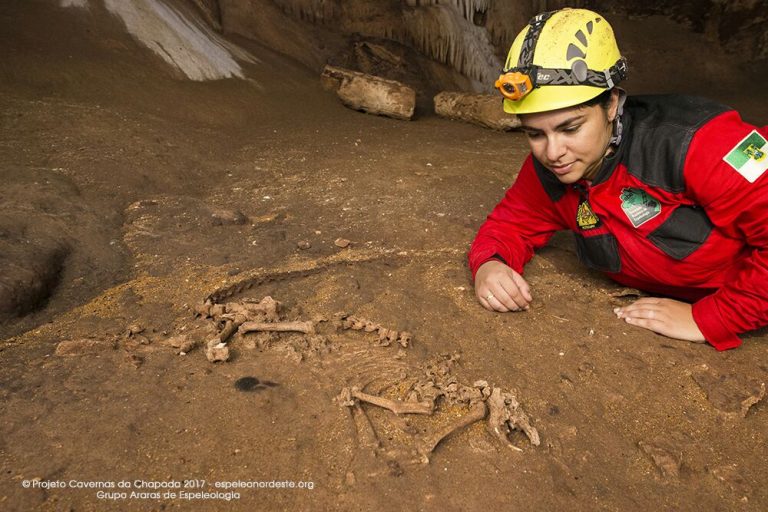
{"points": [[164, 192]]}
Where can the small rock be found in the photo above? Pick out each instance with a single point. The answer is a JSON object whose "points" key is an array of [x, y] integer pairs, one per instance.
{"points": [[341, 242], [221, 217], [667, 459], [187, 347], [732, 394], [135, 359], [134, 329], [732, 477], [304, 245], [177, 341], [142, 340]]}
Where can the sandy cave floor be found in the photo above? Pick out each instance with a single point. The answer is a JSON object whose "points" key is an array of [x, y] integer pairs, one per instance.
{"points": [[162, 192]]}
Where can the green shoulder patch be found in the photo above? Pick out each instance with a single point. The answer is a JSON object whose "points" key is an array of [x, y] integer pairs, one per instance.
{"points": [[748, 157], [638, 206]]}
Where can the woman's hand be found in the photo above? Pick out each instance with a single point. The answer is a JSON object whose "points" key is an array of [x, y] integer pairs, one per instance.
{"points": [[499, 288], [668, 317]]}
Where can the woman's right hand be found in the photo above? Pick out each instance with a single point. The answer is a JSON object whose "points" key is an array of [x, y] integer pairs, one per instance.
{"points": [[499, 288]]}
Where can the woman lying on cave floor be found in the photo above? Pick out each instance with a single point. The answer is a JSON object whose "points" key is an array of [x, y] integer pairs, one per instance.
{"points": [[667, 194]]}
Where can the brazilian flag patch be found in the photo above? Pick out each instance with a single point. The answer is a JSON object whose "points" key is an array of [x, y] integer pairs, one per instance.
{"points": [[749, 157]]}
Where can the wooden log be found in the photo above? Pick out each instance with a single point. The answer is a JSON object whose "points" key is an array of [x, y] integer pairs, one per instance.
{"points": [[371, 94], [481, 109]]}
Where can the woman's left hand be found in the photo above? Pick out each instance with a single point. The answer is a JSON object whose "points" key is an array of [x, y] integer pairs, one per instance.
{"points": [[668, 317]]}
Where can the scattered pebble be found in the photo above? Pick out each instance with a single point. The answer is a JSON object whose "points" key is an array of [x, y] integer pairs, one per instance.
{"points": [[135, 329], [341, 242], [224, 217], [303, 245], [667, 459]]}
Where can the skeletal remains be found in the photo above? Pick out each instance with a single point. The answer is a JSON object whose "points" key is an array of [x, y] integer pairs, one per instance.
{"points": [[386, 336], [503, 412], [244, 317], [501, 408], [263, 316]]}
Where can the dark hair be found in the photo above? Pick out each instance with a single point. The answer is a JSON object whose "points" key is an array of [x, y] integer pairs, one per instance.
{"points": [[603, 99]]}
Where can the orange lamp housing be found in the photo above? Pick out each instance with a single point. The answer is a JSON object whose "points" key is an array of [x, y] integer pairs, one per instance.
{"points": [[514, 85]]}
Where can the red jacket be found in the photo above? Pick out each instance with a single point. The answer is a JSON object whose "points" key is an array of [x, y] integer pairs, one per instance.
{"points": [[680, 209]]}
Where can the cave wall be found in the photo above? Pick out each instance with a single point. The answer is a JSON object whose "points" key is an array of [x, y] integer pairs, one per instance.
{"points": [[471, 37], [738, 26]]}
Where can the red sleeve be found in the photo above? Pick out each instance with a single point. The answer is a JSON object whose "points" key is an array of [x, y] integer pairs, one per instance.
{"points": [[736, 201], [523, 221]]}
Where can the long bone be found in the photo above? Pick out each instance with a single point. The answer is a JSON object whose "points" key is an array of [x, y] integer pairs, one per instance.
{"points": [[396, 406], [477, 412]]}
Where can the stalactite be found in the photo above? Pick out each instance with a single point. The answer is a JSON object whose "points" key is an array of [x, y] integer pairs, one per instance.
{"points": [[441, 29], [468, 8], [442, 33], [315, 11]]}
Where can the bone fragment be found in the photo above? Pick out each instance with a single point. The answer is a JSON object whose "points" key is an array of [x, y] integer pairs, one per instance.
{"points": [[266, 306], [216, 348], [477, 412], [230, 327], [359, 324], [366, 435], [386, 336], [507, 415], [216, 352], [203, 310], [307, 327], [395, 406]]}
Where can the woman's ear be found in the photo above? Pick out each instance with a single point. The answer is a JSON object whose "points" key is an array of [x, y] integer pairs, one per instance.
{"points": [[613, 107]]}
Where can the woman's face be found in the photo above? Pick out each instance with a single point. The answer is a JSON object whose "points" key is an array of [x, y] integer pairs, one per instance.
{"points": [[571, 142]]}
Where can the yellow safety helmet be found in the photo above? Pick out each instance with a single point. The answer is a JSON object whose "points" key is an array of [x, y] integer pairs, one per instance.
{"points": [[561, 59]]}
